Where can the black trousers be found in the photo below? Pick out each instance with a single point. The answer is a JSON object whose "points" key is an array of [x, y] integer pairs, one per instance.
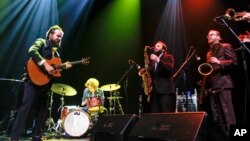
{"points": [[163, 103], [222, 109], [33, 97]]}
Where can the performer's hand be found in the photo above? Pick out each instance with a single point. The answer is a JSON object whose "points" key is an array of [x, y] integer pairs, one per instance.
{"points": [[246, 16], [48, 68], [154, 58], [67, 65], [84, 103], [214, 60]]}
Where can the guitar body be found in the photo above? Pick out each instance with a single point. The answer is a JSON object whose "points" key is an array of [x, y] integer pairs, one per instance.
{"points": [[40, 77]]}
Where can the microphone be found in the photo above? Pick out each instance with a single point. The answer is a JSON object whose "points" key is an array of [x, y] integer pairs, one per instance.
{"points": [[226, 16], [218, 19], [198, 58], [130, 61]]}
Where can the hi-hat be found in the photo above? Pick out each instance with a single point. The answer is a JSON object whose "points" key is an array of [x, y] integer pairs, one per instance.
{"points": [[110, 87], [62, 89], [114, 97]]}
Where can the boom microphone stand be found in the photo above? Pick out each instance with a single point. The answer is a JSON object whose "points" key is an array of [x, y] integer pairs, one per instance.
{"points": [[184, 63], [125, 76], [243, 48]]}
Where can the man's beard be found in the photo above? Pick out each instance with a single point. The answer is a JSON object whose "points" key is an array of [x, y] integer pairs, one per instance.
{"points": [[158, 52], [55, 44]]}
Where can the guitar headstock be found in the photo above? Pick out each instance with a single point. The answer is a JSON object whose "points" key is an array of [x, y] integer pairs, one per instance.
{"points": [[85, 60]]}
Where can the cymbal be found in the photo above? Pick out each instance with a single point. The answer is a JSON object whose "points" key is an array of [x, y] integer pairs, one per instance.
{"points": [[110, 87], [115, 97], [62, 89]]}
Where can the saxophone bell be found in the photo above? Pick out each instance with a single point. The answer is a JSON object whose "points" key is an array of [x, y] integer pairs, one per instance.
{"points": [[205, 69]]}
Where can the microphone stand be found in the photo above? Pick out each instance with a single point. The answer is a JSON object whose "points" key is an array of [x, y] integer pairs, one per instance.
{"points": [[125, 75], [12, 80], [247, 89], [185, 79], [184, 63]]}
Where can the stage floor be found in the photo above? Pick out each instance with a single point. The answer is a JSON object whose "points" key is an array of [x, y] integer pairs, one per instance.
{"points": [[48, 138]]}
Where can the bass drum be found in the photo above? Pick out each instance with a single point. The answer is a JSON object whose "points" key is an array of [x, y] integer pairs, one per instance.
{"points": [[76, 123]]}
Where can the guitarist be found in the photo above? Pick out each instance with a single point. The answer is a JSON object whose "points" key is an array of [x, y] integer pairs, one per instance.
{"points": [[34, 95]]}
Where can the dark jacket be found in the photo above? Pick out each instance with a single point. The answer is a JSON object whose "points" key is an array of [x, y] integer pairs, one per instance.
{"points": [[220, 77], [162, 75]]}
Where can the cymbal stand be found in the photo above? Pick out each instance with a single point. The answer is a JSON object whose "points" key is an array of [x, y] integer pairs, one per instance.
{"points": [[111, 104], [50, 122], [116, 100], [58, 127], [119, 105]]}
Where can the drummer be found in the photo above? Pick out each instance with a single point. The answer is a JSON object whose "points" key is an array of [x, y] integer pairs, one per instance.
{"points": [[91, 91]]}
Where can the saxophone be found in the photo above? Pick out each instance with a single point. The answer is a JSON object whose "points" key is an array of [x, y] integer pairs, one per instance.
{"points": [[146, 78]]}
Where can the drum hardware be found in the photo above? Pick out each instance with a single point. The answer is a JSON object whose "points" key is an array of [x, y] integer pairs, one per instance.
{"points": [[114, 102], [113, 99], [58, 126], [50, 122], [63, 90]]}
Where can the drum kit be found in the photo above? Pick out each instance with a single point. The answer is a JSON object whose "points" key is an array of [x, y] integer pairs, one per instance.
{"points": [[113, 98], [74, 121]]}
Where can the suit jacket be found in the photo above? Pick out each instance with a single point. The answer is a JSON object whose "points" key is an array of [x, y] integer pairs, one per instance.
{"points": [[162, 74], [40, 49], [220, 77]]}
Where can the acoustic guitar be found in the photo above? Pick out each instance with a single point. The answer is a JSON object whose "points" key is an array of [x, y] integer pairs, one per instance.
{"points": [[39, 76]]}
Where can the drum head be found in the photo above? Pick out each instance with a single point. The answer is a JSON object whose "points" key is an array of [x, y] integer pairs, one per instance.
{"points": [[76, 123]]}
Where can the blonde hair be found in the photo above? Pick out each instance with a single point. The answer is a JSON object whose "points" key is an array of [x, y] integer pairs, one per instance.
{"points": [[93, 82]]}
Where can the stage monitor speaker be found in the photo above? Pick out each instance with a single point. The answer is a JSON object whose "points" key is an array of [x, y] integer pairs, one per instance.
{"points": [[113, 127], [184, 126]]}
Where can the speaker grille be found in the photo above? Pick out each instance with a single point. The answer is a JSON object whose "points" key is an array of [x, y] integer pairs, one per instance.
{"points": [[169, 126]]}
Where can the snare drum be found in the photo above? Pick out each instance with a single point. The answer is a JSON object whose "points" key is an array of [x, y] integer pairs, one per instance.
{"points": [[76, 123]]}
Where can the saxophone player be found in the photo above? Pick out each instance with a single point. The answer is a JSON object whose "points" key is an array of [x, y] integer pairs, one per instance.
{"points": [[161, 70], [222, 57]]}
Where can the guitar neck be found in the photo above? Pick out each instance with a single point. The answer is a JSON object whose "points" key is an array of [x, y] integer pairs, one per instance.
{"points": [[62, 66], [76, 62]]}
